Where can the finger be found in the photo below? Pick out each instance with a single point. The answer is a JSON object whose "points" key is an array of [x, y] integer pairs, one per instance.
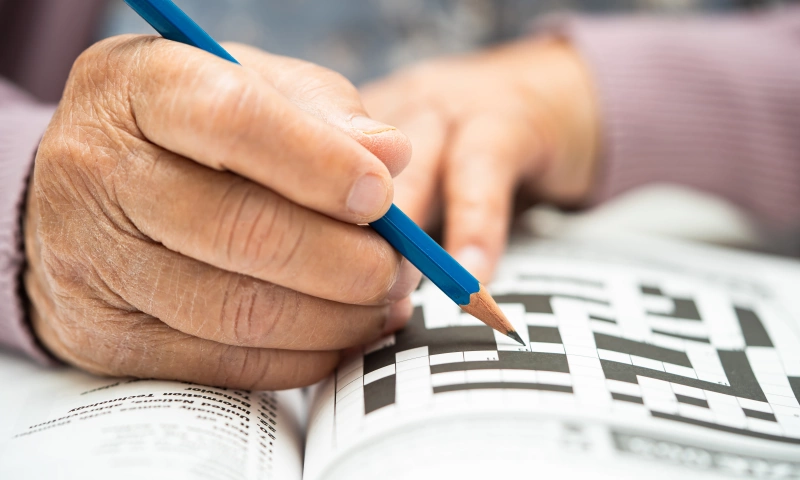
{"points": [[482, 169], [416, 189], [235, 225], [331, 97], [203, 301], [228, 118], [135, 344], [385, 97]]}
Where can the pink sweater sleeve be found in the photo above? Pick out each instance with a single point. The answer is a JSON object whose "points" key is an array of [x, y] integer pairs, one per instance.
{"points": [[22, 123], [711, 103]]}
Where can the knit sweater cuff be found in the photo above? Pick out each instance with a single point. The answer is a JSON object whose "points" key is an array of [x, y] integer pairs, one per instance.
{"points": [[709, 103], [21, 126]]}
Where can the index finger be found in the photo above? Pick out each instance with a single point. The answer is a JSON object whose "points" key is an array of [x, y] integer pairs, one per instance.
{"points": [[227, 117]]}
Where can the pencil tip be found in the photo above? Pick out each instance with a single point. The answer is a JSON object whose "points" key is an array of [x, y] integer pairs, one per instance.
{"points": [[512, 334]]}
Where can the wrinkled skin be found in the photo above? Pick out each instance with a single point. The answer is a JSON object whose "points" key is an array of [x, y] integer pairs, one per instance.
{"points": [[514, 122], [191, 219], [195, 220]]}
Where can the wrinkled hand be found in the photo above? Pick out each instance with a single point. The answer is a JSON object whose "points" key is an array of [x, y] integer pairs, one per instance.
{"points": [[516, 119], [191, 219]]}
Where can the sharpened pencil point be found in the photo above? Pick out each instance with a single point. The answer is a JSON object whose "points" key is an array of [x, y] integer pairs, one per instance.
{"points": [[483, 307], [512, 334]]}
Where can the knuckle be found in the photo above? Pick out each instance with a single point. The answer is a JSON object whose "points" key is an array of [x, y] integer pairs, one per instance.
{"points": [[245, 223], [379, 273], [101, 72], [95, 346], [259, 232], [236, 103], [242, 367], [253, 313]]}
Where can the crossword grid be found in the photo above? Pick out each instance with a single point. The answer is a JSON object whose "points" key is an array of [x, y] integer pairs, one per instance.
{"points": [[624, 345]]}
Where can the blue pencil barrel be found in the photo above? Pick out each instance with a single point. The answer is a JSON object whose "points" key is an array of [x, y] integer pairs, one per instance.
{"points": [[425, 254]]}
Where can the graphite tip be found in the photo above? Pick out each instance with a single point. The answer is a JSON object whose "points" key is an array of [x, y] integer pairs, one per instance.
{"points": [[512, 334]]}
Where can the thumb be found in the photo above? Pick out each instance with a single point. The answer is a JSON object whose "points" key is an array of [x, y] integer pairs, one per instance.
{"points": [[331, 97]]}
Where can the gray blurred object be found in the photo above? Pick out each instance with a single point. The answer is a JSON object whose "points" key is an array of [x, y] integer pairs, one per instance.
{"points": [[364, 39]]}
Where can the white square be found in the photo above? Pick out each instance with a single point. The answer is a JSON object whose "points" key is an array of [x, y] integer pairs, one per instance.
{"points": [[784, 391], [412, 380], [554, 378], [582, 351], [592, 395], [772, 379], [419, 362], [467, 320], [541, 319], [443, 358], [781, 400], [764, 360], [584, 341], [481, 356], [520, 376], [448, 378], [584, 371], [575, 360], [679, 370], [783, 410], [614, 356], [647, 363], [648, 383], [410, 354], [543, 347], [484, 376]]}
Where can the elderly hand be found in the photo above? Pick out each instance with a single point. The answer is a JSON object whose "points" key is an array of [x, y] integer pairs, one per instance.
{"points": [[516, 119], [191, 219]]}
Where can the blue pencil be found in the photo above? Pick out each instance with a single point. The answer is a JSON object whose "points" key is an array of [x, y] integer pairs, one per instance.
{"points": [[399, 230]]}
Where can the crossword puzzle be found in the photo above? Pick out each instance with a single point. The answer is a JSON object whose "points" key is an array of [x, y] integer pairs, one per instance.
{"points": [[671, 349]]}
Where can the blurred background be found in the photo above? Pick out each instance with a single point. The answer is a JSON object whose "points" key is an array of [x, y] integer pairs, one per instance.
{"points": [[364, 39]]}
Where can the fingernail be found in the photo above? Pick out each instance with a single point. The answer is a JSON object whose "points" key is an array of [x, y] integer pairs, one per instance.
{"points": [[407, 280], [474, 259], [367, 196], [369, 126], [398, 316]]}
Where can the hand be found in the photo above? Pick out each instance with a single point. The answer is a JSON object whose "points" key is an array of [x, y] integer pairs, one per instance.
{"points": [[191, 219], [519, 119]]}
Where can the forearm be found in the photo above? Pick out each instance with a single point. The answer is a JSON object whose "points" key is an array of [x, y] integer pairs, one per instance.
{"points": [[711, 103], [22, 123]]}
